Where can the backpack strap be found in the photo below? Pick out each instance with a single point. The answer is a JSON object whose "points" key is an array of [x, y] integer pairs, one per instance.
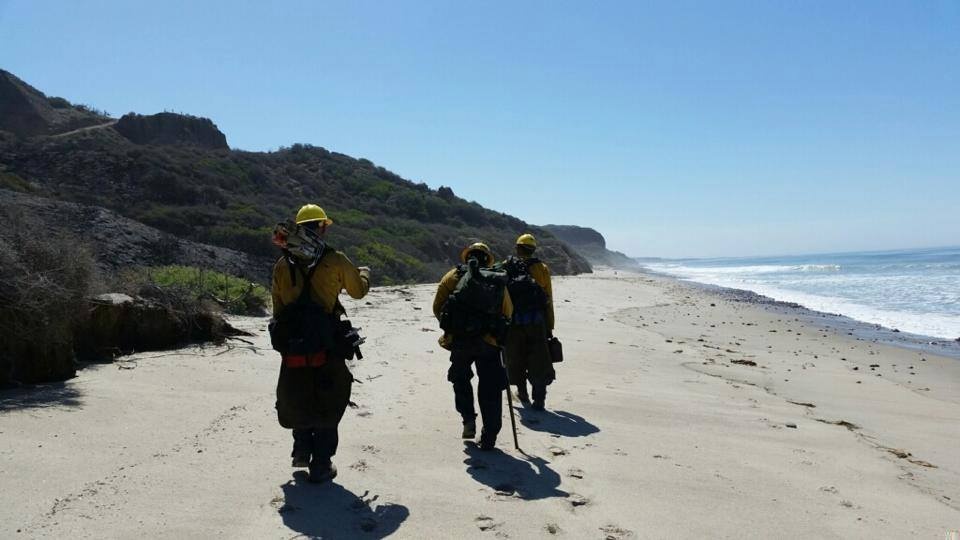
{"points": [[292, 266], [307, 276]]}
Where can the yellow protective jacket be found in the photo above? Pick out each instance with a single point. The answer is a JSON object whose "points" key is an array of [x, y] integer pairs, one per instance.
{"points": [[447, 285], [334, 274], [541, 274]]}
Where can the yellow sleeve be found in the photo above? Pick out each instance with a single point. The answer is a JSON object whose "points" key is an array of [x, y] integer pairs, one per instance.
{"points": [[276, 286], [447, 284], [355, 282], [541, 274]]}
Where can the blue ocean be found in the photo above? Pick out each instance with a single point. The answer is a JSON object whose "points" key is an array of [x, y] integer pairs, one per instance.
{"points": [[914, 290]]}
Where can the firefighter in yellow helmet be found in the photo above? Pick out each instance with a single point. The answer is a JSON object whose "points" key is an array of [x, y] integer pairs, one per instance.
{"points": [[313, 388], [473, 309], [528, 357]]}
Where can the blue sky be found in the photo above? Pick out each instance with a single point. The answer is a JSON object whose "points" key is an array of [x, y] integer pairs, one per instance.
{"points": [[675, 128]]}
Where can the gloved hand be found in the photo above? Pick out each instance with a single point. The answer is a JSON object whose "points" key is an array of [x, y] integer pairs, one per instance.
{"points": [[364, 271]]}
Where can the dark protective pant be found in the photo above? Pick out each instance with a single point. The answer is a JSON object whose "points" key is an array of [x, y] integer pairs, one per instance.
{"points": [[321, 443], [311, 401], [528, 358], [492, 381], [313, 397]]}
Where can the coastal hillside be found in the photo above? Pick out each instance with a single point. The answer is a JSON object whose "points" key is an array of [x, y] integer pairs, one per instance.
{"points": [[592, 245], [26, 111], [120, 243], [176, 174]]}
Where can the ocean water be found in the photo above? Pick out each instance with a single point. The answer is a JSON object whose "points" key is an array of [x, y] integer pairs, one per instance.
{"points": [[916, 290]]}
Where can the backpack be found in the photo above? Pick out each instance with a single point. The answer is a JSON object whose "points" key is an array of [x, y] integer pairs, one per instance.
{"points": [[527, 295], [475, 307], [303, 327]]}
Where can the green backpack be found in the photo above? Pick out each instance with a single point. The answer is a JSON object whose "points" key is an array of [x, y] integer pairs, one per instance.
{"points": [[475, 307]]}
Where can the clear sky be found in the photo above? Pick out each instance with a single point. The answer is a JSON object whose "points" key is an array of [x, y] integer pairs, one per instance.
{"points": [[675, 128]]}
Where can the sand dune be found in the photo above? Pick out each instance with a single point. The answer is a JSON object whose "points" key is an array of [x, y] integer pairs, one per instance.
{"points": [[676, 414]]}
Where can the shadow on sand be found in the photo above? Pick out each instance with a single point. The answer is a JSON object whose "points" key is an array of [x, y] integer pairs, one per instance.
{"points": [[528, 479], [560, 423], [332, 511], [61, 394]]}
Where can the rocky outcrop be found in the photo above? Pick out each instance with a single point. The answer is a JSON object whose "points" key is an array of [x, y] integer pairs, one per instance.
{"points": [[27, 112], [578, 236], [171, 129], [592, 245], [120, 243]]}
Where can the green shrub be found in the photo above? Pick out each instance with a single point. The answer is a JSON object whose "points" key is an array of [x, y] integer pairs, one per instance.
{"points": [[58, 102], [390, 266], [236, 295], [233, 198]]}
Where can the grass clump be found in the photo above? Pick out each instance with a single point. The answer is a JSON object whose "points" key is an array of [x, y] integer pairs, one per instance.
{"points": [[235, 295]]}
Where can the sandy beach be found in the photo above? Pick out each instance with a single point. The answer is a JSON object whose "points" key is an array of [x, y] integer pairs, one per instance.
{"points": [[677, 413]]}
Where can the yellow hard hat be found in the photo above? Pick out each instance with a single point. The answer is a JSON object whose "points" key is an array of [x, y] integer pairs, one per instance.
{"points": [[477, 246], [527, 240], [310, 213]]}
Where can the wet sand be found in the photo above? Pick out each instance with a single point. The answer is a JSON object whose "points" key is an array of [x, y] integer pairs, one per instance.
{"points": [[679, 412]]}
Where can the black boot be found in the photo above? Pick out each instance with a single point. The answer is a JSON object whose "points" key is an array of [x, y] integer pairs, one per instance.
{"points": [[469, 429], [301, 460], [322, 471], [539, 396], [302, 447], [522, 393], [487, 442]]}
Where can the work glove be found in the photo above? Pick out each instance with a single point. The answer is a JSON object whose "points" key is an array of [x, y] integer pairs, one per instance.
{"points": [[364, 271]]}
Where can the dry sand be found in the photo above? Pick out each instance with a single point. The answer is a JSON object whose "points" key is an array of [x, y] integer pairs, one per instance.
{"points": [[653, 431]]}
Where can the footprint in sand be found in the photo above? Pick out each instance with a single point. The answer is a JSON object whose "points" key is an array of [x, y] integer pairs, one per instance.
{"points": [[613, 532], [557, 451], [281, 505], [575, 473], [370, 449], [552, 528], [486, 523], [360, 466], [577, 501]]}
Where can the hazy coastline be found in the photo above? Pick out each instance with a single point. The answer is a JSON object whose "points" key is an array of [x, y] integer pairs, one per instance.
{"points": [[836, 322], [905, 297]]}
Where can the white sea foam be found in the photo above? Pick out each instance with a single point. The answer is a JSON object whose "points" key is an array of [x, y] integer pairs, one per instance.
{"points": [[920, 298]]}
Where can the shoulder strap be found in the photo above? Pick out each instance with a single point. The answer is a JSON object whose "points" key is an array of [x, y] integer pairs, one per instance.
{"points": [[292, 266], [307, 277]]}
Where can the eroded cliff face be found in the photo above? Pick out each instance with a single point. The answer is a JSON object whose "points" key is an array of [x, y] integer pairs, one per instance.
{"points": [[592, 245], [171, 129]]}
